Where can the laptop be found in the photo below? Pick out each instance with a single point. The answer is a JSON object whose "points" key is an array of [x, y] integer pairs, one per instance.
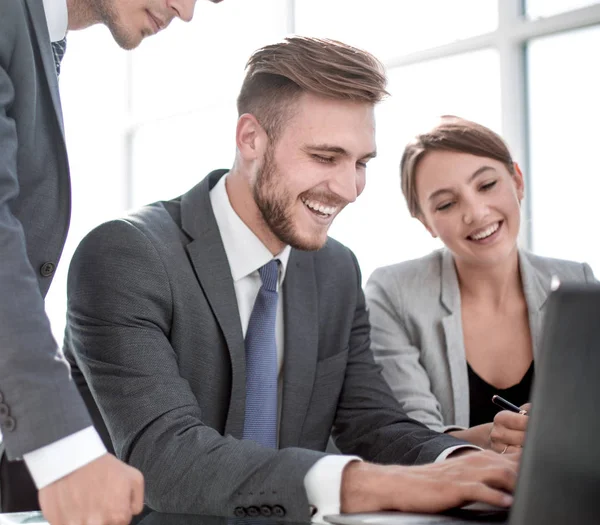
{"points": [[559, 476]]}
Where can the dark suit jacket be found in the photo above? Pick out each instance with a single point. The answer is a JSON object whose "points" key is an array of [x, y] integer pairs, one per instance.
{"points": [[39, 403], [154, 325]]}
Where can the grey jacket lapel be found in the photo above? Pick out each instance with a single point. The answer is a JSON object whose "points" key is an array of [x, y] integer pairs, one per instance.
{"points": [[38, 18], [209, 261], [455, 342], [536, 292], [301, 345]]}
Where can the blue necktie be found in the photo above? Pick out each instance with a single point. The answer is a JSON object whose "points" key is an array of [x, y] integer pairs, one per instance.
{"points": [[260, 422], [58, 51]]}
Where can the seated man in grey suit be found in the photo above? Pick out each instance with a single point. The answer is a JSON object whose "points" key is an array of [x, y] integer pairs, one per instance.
{"points": [[225, 336]]}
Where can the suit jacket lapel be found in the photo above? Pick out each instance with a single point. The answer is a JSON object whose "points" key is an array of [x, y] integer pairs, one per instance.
{"points": [[40, 29], [209, 261], [455, 342], [536, 292], [301, 345]]}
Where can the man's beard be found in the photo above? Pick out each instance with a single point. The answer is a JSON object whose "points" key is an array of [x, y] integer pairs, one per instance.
{"points": [[275, 205], [108, 15]]}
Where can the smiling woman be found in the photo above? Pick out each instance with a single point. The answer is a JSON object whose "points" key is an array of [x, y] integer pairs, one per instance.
{"points": [[464, 323]]}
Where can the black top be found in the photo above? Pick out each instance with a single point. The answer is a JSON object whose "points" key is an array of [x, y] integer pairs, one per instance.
{"points": [[481, 392]]}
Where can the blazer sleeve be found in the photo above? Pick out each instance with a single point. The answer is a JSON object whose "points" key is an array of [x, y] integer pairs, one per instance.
{"points": [[398, 356], [39, 402], [119, 320], [370, 422]]}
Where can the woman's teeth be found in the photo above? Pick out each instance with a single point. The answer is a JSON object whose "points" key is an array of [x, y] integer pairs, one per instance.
{"points": [[485, 233]]}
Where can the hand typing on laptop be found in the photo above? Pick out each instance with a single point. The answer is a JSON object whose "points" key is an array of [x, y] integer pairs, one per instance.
{"points": [[477, 476]]}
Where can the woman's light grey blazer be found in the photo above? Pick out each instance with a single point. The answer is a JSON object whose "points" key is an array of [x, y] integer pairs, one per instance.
{"points": [[416, 330]]}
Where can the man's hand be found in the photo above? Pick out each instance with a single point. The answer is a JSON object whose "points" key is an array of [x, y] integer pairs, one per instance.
{"points": [[480, 476], [508, 430], [103, 492]]}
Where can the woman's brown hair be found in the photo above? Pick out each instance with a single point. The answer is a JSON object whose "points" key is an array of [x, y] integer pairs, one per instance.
{"points": [[451, 134]]}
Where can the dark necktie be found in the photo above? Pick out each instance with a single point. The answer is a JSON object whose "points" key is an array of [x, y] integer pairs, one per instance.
{"points": [[58, 50], [260, 422]]}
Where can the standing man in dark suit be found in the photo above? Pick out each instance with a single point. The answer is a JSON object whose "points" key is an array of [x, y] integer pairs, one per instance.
{"points": [[225, 336], [42, 417]]}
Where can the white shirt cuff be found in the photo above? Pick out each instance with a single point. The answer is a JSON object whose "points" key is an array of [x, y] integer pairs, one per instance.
{"points": [[56, 460], [323, 485], [449, 451]]}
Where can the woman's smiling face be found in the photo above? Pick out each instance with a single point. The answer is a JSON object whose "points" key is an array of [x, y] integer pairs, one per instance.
{"points": [[471, 203]]}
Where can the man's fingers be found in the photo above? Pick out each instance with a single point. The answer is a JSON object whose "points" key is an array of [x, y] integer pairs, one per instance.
{"points": [[485, 494], [504, 478], [137, 492]]}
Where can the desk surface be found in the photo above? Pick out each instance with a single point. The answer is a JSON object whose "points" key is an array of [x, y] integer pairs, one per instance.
{"points": [[158, 518]]}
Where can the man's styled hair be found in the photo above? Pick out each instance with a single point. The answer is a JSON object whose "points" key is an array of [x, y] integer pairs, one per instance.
{"points": [[277, 74], [451, 134]]}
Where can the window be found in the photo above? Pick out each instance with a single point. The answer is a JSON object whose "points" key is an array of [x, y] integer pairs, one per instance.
{"points": [[149, 124], [390, 28], [564, 111]]}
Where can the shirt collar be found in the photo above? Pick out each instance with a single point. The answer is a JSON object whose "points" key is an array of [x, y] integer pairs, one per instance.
{"points": [[245, 252], [57, 18]]}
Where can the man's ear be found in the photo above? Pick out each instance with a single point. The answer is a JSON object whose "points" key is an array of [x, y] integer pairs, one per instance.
{"points": [[250, 137]]}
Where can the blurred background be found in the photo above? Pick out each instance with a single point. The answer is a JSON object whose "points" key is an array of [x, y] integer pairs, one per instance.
{"points": [[149, 124]]}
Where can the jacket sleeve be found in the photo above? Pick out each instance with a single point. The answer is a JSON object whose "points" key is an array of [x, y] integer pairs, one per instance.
{"points": [[39, 402], [399, 357], [370, 422]]}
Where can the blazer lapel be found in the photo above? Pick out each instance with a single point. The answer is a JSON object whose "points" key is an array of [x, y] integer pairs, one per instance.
{"points": [[40, 29], [455, 343], [301, 345], [536, 293], [209, 261]]}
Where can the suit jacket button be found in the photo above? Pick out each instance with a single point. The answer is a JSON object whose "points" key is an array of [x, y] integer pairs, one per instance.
{"points": [[266, 511], [47, 269], [4, 411], [253, 512], [278, 511], [9, 424], [239, 512]]}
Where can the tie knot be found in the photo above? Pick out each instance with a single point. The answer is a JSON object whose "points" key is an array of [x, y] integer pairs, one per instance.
{"points": [[269, 274]]}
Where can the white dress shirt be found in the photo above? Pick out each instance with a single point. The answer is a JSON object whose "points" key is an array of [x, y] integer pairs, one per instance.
{"points": [[54, 461], [57, 18], [246, 254]]}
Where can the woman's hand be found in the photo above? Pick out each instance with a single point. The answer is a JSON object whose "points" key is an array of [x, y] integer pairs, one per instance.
{"points": [[508, 431]]}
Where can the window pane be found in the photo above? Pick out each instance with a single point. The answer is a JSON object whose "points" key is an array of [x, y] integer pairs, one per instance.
{"points": [[564, 139], [192, 65], [378, 227], [545, 8], [171, 156], [390, 28]]}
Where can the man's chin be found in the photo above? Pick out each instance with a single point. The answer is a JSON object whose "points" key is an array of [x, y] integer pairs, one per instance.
{"points": [[312, 244], [128, 41]]}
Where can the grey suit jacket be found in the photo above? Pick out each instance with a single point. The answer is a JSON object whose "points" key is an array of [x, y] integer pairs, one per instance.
{"points": [[39, 403], [153, 324], [414, 309]]}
